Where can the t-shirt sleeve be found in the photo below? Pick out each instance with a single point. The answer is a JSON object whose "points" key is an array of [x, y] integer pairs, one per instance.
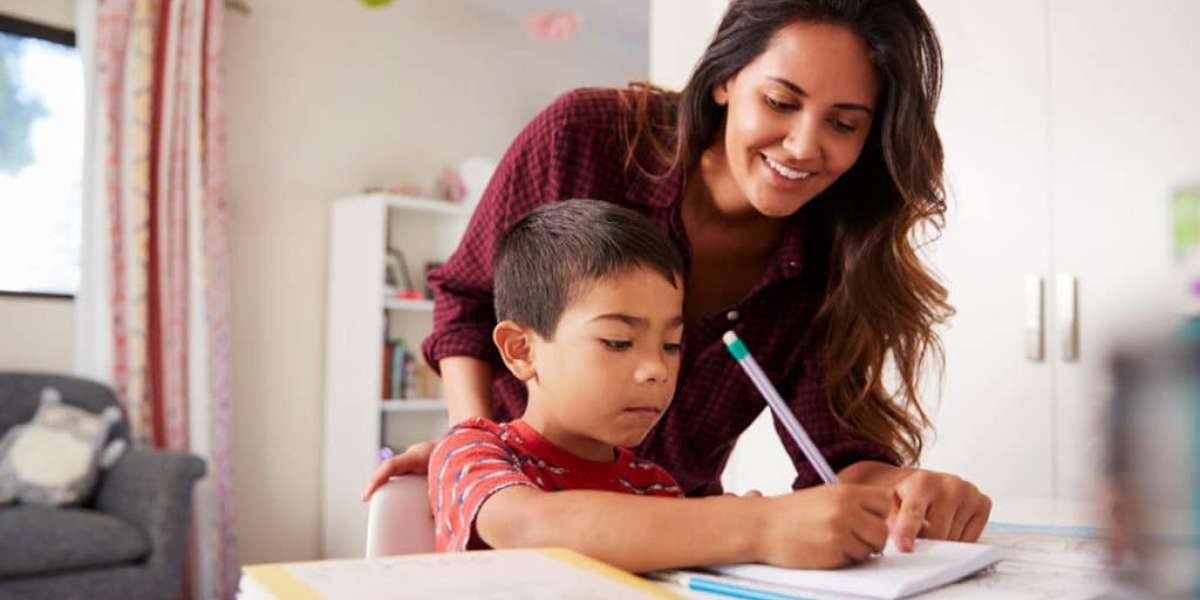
{"points": [[469, 465]]}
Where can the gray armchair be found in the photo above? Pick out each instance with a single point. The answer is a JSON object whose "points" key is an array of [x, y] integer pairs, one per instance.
{"points": [[126, 541]]}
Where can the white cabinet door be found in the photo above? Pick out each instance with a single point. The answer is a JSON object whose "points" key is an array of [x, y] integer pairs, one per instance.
{"points": [[994, 419], [1125, 132]]}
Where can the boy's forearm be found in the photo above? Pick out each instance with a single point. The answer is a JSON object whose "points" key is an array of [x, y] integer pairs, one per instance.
{"points": [[636, 533], [468, 387]]}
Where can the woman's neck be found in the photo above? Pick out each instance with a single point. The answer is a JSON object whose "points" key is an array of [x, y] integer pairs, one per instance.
{"points": [[712, 201]]}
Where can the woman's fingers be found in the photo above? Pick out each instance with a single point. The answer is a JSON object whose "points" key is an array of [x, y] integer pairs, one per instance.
{"points": [[910, 518], [413, 460], [979, 518]]}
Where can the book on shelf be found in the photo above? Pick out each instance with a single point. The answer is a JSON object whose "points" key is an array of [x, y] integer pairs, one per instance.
{"points": [[405, 374]]}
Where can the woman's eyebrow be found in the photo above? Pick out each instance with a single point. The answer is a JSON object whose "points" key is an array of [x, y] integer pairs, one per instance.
{"points": [[799, 91]]}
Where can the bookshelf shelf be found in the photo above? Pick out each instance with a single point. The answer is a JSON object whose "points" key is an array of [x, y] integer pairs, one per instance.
{"points": [[420, 204], [403, 304], [414, 405]]}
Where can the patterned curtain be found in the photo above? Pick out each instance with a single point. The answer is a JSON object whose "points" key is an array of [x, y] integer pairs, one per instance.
{"points": [[153, 306]]}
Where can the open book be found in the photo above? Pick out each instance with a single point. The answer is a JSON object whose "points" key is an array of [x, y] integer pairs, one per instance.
{"points": [[550, 574], [892, 574]]}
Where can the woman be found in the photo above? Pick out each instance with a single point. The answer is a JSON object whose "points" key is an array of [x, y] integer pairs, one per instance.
{"points": [[793, 171]]}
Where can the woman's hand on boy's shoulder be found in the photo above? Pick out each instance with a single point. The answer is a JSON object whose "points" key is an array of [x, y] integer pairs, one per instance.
{"points": [[414, 459]]}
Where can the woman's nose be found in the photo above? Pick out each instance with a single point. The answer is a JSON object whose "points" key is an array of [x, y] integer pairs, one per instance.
{"points": [[803, 141]]}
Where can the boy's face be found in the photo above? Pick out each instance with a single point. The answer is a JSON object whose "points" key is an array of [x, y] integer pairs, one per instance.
{"points": [[610, 372]]}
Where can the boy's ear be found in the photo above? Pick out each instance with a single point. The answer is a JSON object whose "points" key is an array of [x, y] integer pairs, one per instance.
{"points": [[516, 348]]}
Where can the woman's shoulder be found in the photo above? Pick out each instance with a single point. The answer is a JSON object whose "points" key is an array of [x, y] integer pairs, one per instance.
{"points": [[586, 106], [606, 109]]}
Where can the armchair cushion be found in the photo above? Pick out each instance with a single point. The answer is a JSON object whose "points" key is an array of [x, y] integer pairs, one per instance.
{"points": [[40, 539]]}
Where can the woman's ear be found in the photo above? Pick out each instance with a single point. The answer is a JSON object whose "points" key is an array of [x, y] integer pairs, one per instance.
{"points": [[516, 348], [720, 93]]}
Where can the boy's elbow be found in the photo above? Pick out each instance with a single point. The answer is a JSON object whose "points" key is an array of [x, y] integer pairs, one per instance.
{"points": [[512, 519]]}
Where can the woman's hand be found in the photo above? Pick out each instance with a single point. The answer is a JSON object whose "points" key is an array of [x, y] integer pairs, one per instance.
{"points": [[414, 459], [938, 506]]}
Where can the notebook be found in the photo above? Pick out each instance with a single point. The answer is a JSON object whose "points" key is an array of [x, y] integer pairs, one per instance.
{"points": [[893, 574], [549, 574]]}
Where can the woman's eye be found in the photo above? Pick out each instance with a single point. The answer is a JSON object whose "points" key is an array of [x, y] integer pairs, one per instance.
{"points": [[842, 126], [673, 348], [617, 344], [779, 106]]}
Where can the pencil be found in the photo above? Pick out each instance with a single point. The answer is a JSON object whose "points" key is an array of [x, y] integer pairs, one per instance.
{"points": [[743, 357]]}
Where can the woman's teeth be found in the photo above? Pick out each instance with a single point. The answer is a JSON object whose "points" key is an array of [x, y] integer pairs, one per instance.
{"points": [[785, 171]]}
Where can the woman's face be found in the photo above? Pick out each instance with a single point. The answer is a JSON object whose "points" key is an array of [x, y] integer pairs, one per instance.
{"points": [[797, 117]]}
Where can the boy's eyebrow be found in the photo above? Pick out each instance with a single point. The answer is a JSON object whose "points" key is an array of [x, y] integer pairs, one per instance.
{"points": [[633, 321], [629, 320]]}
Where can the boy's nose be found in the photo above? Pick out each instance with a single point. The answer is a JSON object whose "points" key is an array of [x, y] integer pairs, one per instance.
{"points": [[653, 369]]}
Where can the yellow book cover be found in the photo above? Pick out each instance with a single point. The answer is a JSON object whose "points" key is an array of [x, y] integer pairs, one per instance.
{"points": [[551, 573]]}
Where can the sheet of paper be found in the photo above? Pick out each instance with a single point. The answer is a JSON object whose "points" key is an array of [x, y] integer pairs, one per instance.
{"points": [[1036, 564], [894, 574]]}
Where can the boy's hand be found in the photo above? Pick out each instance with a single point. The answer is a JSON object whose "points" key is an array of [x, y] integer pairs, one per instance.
{"points": [[823, 527], [414, 459]]}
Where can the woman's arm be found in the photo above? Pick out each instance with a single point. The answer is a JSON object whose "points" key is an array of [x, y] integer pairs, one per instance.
{"points": [[468, 387]]}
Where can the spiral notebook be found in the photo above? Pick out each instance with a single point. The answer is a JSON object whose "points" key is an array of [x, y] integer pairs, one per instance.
{"points": [[892, 574]]}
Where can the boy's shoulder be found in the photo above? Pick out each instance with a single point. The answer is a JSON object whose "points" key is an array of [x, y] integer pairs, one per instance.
{"points": [[471, 430]]}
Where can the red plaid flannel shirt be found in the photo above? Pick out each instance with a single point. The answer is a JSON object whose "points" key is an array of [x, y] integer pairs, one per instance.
{"points": [[571, 150]]}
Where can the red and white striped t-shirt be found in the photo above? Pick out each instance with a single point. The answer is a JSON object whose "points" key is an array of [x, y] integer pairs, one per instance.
{"points": [[478, 458]]}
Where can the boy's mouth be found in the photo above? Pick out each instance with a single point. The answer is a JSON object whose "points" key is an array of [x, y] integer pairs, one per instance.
{"points": [[645, 411]]}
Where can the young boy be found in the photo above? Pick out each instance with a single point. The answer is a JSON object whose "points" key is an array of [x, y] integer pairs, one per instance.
{"points": [[589, 299]]}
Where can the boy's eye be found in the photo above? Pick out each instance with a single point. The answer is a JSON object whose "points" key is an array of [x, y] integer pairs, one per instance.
{"points": [[672, 347], [617, 344]]}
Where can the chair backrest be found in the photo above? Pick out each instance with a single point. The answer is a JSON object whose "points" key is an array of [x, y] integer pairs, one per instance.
{"points": [[399, 520], [21, 393]]}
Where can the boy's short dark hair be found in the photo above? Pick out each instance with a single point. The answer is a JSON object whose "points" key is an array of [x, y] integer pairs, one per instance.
{"points": [[543, 261]]}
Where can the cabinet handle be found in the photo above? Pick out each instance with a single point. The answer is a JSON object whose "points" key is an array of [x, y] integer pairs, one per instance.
{"points": [[1034, 350], [1068, 316]]}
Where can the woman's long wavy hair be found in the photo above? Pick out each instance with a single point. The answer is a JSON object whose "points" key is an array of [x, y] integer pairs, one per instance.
{"points": [[881, 304]]}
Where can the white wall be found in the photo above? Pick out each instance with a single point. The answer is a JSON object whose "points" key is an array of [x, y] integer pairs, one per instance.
{"points": [[57, 13], [36, 334], [321, 102], [680, 30]]}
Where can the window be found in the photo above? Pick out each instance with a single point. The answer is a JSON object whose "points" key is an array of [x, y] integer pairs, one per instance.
{"points": [[41, 159]]}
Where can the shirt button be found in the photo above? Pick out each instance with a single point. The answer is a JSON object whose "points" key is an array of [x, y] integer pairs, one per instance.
{"points": [[732, 315], [792, 265]]}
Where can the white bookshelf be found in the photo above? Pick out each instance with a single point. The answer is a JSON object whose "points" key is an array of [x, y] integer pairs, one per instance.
{"points": [[414, 405], [393, 303], [358, 307]]}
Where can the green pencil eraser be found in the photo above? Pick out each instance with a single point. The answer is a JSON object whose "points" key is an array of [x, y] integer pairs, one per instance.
{"points": [[735, 346]]}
